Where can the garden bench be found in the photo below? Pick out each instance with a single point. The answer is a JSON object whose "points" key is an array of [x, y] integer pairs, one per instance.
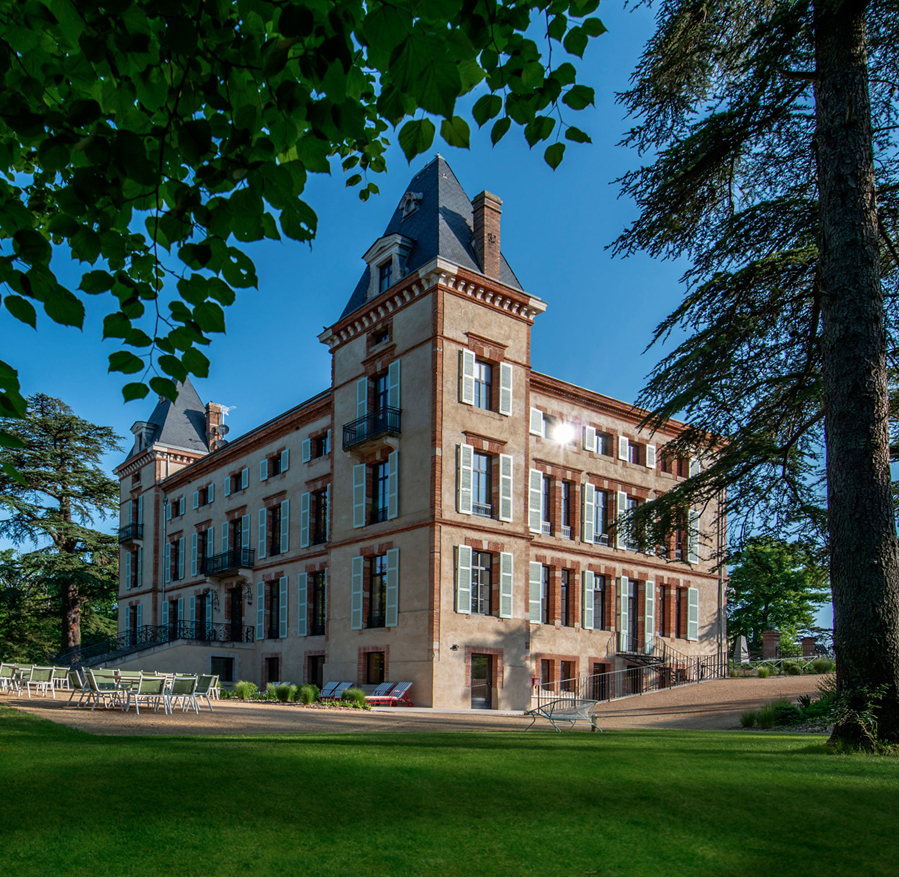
{"points": [[566, 709]]}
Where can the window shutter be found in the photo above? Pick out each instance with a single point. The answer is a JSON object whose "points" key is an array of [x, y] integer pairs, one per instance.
{"points": [[304, 520], [589, 588], [620, 528], [168, 511], [463, 579], [650, 456], [302, 603], [361, 397], [465, 454], [588, 518], [127, 570], [307, 450], [181, 506], [181, 558], [393, 480], [227, 485], [140, 615], [535, 582], [140, 510], [263, 470], [260, 545], [196, 499], [328, 442], [245, 532], [165, 613], [285, 526], [260, 611], [505, 389], [505, 487], [210, 541], [624, 450], [359, 478], [167, 562], [693, 613], [506, 581], [138, 559], [693, 537], [649, 617], [180, 610], [282, 607], [225, 537], [623, 626], [590, 438], [285, 459], [466, 377], [695, 466], [393, 385], [536, 422], [192, 610], [210, 492], [328, 512], [244, 478], [193, 554], [393, 588], [128, 510], [356, 593], [325, 592], [535, 500]]}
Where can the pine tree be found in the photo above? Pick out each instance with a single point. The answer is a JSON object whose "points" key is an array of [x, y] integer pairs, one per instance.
{"points": [[766, 117], [65, 489]]}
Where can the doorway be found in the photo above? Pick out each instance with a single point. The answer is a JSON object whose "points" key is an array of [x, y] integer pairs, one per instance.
{"points": [[315, 670], [236, 614], [481, 682]]}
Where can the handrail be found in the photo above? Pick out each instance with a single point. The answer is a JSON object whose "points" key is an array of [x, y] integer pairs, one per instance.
{"points": [[232, 559], [131, 531], [384, 421]]}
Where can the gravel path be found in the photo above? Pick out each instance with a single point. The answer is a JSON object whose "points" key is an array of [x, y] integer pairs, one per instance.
{"points": [[709, 706]]}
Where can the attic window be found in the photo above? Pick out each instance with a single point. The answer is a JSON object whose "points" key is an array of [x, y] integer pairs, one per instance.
{"points": [[409, 203], [379, 335], [385, 276]]}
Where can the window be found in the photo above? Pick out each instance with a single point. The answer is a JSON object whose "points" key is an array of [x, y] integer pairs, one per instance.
{"points": [[380, 392], [630, 541], [237, 481], [679, 619], [274, 610], [175, 561], [544, 596], [272, 670], [236, 533], [483, 385], [482, 485], [374, 668], [546, 505], [222, 667], [317, 598], [546, 674], [132, 577], [379, 336], [176, 508], [319, 516], [599, 603], [664, 620], [385, 276], [604, 444], [274, 465], [601, 537], [316, 447], [379, 482], [274, 530], [565, 598], [376, 491], [204, 495], [569, 676], [377, 591], [481, 583], [632, 627], [315, 670], [635, 453], [566, 510]]}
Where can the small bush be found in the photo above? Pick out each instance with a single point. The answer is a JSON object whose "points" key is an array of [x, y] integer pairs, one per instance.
{"points": [[748, 719], [307, 694], [245, 690], [779, 712], [792, 668], [356, 697], [284, 692], [823, 665], [764, 671], [270, 691], [804, 701], [828, 685]]}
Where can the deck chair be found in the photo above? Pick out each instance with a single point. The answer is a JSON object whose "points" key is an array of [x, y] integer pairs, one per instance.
{"points": [[78, 686], [103, 687], [184, 689], [337, 691], [150, 690], [60, 677], [328, 690], [8, 679], [205, 685], [400, 694], [41, 680], [380, 692]]}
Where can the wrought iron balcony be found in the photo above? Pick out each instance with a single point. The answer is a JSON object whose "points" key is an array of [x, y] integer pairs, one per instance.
{"points": [[375, 424], [229, 562], [130, 532]]}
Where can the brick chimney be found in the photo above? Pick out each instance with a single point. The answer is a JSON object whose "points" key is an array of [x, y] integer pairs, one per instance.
{"points": [[486, 232], [213, 421]]}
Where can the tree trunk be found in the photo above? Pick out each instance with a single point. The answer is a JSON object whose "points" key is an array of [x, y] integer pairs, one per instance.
{"points": [[864, 565], [71, 615]]}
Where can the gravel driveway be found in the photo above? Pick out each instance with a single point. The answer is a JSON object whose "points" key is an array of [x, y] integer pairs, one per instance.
{"points": [[709, 706]]}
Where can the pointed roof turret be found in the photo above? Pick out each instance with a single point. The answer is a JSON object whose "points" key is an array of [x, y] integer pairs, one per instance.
{"points": [[180, 424], [434, 218]]}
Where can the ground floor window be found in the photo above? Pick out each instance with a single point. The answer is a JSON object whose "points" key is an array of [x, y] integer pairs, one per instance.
{"points": [[546, 674], [272, 670], [315, 670], [374, 668], [569, 672], [222, 667]]}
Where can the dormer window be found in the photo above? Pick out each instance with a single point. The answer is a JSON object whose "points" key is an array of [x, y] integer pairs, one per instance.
{"points": [[387, 263], [385, 276]]}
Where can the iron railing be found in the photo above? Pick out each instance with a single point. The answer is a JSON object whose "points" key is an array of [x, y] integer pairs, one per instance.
{"points": [[229, 561], [149, 635], [384, 421], [130, 532]]}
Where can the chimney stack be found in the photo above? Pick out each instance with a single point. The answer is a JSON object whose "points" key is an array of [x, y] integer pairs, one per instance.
{"points": [[213, 422], [486, 232]]}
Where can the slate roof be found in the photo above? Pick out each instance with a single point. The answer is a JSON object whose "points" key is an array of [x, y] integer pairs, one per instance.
{"points": [[179, 424], [441, 226]]}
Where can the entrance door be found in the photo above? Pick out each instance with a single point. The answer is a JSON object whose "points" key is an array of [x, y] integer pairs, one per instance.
{"points": [[316, 670], [481, 682], [236, 615]]}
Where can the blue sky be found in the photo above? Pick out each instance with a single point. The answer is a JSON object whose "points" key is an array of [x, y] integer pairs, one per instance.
{"points": [[555, 230]]}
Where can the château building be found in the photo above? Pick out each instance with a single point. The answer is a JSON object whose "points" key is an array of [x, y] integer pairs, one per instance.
{"points": [[441, 513]]}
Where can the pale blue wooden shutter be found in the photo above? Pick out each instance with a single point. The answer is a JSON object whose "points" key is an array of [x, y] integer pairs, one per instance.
{"points": [[649, 617], [535, 583], [588, 517], [506, 504], [463, 579], [127, 570], [505, 389], [307, 450], [285, 459], [244, 478], [393, 385], [260, 542], [165, 613], [181, 558], [587, 605], [650, 456], [393, 482], [624, 590], [356, 593], [260, 611], [210, 541], [535, 500], [225, 535], [181, 506], [167, 562], [282, 607], [128, 511], [465, 459], [693, 614], [193, 554], [620, 525], [328, 512], [361, 397], [140, 615], [227, 485], [192, 610], [328, 442], [695, 467], [535, 425], [210, 492], [359, 485], [244, 532], [466, 377], [285, 526], [693, 537], [302, 603], [393, 588], [140, 510], [590, 439], [180, 610], [304, 520], [263, 469], [196, 499], [624, 450], [506, 584], [139, 560]]}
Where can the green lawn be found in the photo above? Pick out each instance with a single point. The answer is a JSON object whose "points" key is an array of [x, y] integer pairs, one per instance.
{"points": [[485, 804]]}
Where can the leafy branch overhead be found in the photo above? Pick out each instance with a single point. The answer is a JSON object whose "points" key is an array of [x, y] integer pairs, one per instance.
{"points": [[152, 141]]}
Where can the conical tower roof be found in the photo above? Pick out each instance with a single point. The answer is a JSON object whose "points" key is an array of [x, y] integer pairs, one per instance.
{"points": [[180, 424]]}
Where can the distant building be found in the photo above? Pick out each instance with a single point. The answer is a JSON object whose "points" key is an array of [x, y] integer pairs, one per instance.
{"points": [[441, 514]]}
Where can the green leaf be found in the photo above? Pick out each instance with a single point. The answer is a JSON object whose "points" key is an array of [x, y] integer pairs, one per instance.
{"points": [[95, 282], [64, 225], [13, 473], [416, 136], [553, 155], [195, 139], [86, 245], [455, 132], [196, 362], [386, 27], [565, 74], [580, 8], [173, 366], [557, 28], [593, 27], [21, 309], [31, 246], [209, 317], [540, 129], [500, 128], [296, 21], [7, 440], [576, 42], [579, 97], [53, 155], [576, 135], [125, 361], [63, 307], [422, 67], [164, 387], [116, 325], [485, 108], [134, 391]]}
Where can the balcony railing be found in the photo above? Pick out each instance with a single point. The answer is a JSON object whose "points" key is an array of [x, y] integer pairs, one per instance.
{"points": [[130, 532], [385, 421], [546, 528], [229, 561]]}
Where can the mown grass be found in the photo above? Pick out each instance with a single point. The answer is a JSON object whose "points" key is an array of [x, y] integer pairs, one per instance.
{"points": [[486, 804]]}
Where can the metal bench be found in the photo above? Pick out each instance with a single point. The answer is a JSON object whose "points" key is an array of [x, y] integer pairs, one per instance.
{"points": [[566, 709]]}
